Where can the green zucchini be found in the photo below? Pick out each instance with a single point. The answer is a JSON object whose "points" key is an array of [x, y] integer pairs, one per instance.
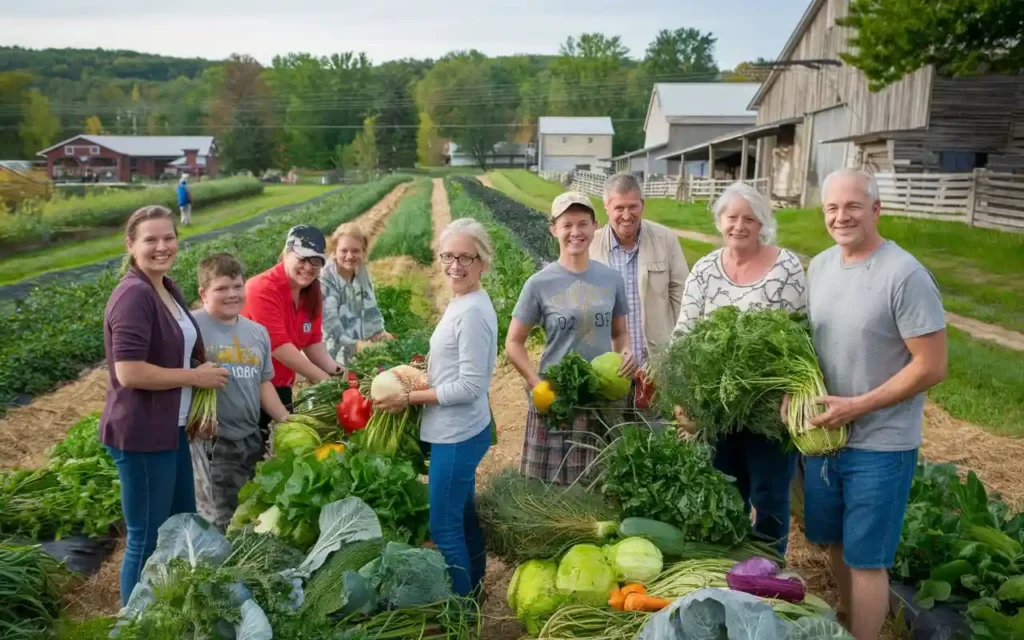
{"points": [[669, 539]]}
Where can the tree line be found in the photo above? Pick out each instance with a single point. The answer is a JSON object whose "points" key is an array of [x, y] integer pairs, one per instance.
{"points": [[343, 111]]}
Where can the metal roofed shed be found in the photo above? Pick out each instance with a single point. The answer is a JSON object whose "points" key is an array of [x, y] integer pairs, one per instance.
{"points": [[568, 144], [120, 158]]}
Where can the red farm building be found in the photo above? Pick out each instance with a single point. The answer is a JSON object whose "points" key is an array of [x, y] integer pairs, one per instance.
{"points": [[120, 158]]}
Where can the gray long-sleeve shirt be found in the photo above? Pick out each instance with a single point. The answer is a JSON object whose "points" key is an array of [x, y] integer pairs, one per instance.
{"points": [[463, 349]]}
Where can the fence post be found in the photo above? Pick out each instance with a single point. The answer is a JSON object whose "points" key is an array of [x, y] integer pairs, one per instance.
{"points": [[972, 196]]}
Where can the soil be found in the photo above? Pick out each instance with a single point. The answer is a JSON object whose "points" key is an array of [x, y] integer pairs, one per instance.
{"points": [[440, 215]]}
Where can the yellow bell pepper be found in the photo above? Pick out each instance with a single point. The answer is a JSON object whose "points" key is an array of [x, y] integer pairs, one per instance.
{"points": [[324, 451], [543, 395]]}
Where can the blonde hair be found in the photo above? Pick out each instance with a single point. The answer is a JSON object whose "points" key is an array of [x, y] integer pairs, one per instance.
{"points": [[476, 231], [347, 230]]}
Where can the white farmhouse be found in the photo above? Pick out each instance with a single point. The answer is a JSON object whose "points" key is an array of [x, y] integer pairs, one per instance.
{"points": [[567, 144]]}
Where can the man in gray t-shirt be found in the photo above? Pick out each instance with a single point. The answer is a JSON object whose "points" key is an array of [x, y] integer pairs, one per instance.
{"points": [[879, 332], [223, 464]]}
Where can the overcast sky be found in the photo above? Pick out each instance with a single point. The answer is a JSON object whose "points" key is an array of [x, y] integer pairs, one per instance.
{"points": [[390, 29]]}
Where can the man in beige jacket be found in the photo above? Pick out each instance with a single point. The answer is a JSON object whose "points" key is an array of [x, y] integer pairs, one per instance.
{"points": [[650, 260]]}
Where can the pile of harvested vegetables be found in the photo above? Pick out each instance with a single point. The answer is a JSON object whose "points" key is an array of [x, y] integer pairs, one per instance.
{"points": [[659, 540]]}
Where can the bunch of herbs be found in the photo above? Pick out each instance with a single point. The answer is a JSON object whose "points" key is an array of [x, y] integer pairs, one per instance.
{"points": [[576, 388], [663, 477]]}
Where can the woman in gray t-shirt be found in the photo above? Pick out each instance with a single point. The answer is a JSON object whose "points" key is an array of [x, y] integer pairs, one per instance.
{"points": [[582, 307]]}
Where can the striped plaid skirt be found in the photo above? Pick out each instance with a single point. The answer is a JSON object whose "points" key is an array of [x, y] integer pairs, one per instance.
{"points": [[560, 456]]}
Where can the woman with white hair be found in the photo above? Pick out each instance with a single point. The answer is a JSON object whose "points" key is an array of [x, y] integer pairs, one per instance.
{"points": [[751, 273], [456, 418]]}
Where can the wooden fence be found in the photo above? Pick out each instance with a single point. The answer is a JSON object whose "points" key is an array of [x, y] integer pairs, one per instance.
{"points": [[983, 198], [709, 189], [562, 177], [592, 183]]}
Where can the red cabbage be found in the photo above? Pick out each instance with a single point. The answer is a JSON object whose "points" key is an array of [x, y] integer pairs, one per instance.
{"points": [[756, 566], [757, 576]]}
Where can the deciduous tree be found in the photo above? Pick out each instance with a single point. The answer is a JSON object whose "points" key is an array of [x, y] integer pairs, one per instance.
{"points": [[39, 128], [959, 37], [243, 117], [683, 54]]}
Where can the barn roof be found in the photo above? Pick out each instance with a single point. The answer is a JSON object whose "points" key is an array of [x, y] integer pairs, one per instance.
{"points": [[705, 99], [787, 49], [145, 146], [555, 125]]}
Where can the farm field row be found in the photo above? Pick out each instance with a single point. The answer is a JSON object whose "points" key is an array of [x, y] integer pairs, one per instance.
{"points": [[56, 332], [986, 381], [204, 219]]}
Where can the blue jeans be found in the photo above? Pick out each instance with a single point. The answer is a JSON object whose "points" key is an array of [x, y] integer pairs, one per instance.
{"points": [[764, 471], [454, 525], [154, 487], [857, 498]]}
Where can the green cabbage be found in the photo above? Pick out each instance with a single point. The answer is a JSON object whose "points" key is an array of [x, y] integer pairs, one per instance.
{"points": [[294, 437], [585, 577], [612, 386], [634, 560], [532, 594]]}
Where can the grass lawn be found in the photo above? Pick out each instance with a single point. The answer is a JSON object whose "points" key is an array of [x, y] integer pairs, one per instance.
{"points": [[985, 385], [979, 271], [74, 254]]}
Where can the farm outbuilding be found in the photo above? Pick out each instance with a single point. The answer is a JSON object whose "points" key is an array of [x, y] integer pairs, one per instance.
{"points": [[816, 114], [120, 158], [567, 144], [681, 114]]}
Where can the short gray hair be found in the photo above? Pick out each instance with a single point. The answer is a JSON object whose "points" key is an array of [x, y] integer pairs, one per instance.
{"points": [[759, 205], [622, 182], [870, 184], [476, 231]]}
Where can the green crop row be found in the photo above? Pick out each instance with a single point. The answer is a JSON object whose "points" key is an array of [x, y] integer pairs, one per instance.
{"points": [[57, 331], [529, 225], [409, 229], [60, 217], [513, 265]]}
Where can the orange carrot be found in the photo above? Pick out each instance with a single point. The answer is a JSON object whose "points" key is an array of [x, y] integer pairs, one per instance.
{"points": [[635, 587], [616, 600], [643, 602]]}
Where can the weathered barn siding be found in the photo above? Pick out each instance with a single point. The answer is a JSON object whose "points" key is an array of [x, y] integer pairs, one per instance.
{"points": [[973, 114], [797, 91]]}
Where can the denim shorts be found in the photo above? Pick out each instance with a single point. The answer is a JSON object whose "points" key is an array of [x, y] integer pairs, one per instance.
{"points": [[857, 498]]}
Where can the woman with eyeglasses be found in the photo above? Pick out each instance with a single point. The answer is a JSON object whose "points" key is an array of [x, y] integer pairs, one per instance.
{"points": [[286, 300], [456, 419], [352, 318]]}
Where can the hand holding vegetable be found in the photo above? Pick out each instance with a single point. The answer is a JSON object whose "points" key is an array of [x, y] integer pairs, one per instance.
{"points": [[383, 335], [395, 403], [363, 344], [841, 411], [210, 376], [684, 421], [629, 365]]}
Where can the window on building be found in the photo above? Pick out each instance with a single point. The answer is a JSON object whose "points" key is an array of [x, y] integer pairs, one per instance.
{"points": [[959, 161], [94, 151], [564, 139], [590, 141], [69, 151]]}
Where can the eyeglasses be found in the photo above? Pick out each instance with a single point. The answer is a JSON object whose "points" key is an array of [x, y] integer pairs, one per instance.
{"points": [[448, 258], [314, 261]]}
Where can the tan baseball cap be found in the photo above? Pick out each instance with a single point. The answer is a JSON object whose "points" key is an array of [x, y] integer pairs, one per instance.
{"points": [[568, 199]]}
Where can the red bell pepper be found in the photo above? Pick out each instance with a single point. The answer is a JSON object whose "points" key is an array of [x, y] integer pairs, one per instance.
{"points": [[644, 391], [354, 410]]}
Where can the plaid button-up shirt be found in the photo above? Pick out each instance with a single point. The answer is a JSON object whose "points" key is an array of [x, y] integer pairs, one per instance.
{"points": [[627, 264]]}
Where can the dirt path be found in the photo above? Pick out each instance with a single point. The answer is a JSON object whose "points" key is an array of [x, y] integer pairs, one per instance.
{"points": [[984, 331], [698, 236], [485, 180], [373, 220], [440, 215]]}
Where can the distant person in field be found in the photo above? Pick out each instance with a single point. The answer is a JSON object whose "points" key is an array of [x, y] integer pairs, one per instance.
{"points": [[751, 273], [286, 299], [156, 356], [185, 201], [583, 307], [649, 258], [352, 319], [223, 464], [457, 421], [880, 334]]}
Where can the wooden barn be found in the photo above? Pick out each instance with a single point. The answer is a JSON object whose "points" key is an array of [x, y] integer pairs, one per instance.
{"points": [[817, 118], [120, 158]]}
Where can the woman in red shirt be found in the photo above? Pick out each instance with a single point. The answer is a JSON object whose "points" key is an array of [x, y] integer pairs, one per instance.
{"points": [[286, 300]]}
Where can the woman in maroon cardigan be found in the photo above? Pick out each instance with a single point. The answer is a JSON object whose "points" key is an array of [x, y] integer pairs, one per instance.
{"points": [[153, 348]]}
